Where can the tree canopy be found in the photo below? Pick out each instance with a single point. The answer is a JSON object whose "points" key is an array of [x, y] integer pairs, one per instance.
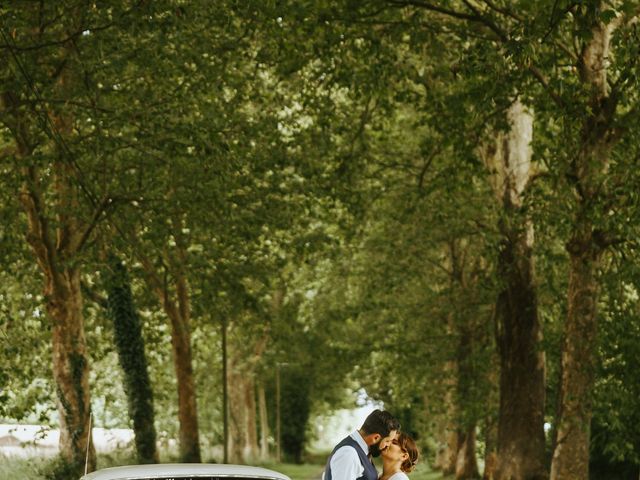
{"points": [[433, 201]]}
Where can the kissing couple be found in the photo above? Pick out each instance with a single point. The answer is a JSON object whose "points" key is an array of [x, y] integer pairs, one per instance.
{"points": [[379, 436]]}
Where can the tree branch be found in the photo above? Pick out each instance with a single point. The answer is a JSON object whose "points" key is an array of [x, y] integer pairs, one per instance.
{"points": [[433, 8], [100, 209], [504, 11], [72, 36], [425, 167], [545, 83], [94, 296], [478, 17], [555, 19], [38, 235]]}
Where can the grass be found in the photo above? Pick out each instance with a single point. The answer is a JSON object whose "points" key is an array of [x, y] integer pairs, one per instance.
{"points": [[32, 468], [22, 468], [423, 472], [305, 471], [315, 461], [313, 471]]}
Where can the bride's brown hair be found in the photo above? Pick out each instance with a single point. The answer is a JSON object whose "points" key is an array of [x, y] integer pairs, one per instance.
{"points": [[407, 445]]}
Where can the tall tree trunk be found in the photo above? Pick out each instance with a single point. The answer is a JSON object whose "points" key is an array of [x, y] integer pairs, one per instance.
{"points": [[264, 423], [54, 249], [295, 404], [178, 309], [187, 403], [490, 422], [251, 447], [130, 345], [521, 446], [490, 450], [243, 426], [447, 453], [466, 466], [466, 463], [70, 360], [71, 368], [571, 456], [585, 248], [237, 412]]}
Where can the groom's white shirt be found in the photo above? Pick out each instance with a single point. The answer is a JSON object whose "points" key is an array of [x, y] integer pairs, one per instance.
{"points": [[345, 463]]}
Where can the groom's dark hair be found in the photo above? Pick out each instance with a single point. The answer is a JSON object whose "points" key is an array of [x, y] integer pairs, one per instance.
{"points": [[380, 421]]}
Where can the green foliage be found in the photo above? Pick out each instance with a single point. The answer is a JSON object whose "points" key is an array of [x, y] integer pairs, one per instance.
{"points": [[25, 372], [61, 469], [295, 409], [614, 439]]}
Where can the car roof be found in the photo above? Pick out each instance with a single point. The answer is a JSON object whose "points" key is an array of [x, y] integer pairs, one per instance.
{"points": [[184, 470]]}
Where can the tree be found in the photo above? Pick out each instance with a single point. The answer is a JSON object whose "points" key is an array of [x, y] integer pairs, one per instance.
{"points": [[59, 216], [520, 441], [131, 353]]}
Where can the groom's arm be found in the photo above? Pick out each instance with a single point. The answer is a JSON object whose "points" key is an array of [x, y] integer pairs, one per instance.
{"points": [[345, 464]]}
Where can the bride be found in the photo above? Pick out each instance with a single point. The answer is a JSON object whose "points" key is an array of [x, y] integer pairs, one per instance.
{"points": [[399, 458]]}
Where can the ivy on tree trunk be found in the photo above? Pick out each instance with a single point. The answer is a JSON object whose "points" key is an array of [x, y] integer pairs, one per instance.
{"points": [[131, 354]]}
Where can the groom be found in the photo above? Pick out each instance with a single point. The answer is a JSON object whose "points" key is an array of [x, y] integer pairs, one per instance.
{"points": [[350, 459]]}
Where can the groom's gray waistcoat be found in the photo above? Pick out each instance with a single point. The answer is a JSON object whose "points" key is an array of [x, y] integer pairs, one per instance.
{"points": [[370, 472]]}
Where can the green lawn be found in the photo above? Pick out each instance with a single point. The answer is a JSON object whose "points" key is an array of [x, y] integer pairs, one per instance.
{"points": [[423, 472], [21, 468], [305, 471], [309, 471], [32, 468]]}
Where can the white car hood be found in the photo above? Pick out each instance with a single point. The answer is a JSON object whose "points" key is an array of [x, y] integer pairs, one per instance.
{"points": [[178, 470]]}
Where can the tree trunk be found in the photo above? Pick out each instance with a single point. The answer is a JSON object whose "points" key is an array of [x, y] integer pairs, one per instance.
{"points": [[571, 456], [490, 450], [264, 424], [237, 413], [251, 447], [71, 368], [295, 404], [490, 422], [585, 247], [448, 454], [178, 311], [243, 426], [187, 403], [130, 345], [466, 463], [521, 446], [521, 416], [70, 360], [64, 302], [466, 466]]}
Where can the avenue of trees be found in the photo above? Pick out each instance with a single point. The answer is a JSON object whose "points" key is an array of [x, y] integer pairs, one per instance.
{"points": [[437, 201]]}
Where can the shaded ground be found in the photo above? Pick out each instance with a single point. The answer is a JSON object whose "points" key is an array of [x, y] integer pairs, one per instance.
{"points": [[314, 471]]}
